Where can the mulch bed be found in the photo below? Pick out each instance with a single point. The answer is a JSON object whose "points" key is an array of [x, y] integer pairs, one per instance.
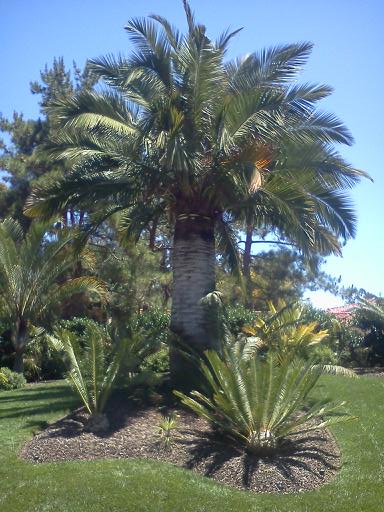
{"points": [[305, 462], [375, 371]]}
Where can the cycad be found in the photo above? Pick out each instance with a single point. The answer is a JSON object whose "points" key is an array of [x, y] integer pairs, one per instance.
{"points": [[95, 363], [182, 134], [31, 268], [257, 402], [283, 331]]}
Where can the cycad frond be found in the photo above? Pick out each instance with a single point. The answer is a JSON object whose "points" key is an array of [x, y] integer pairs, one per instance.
{"points": [[259, 402]]}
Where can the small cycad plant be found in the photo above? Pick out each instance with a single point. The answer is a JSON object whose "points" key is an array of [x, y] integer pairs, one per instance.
{"points": [[167, 426], [258, 401], [93, 367]]}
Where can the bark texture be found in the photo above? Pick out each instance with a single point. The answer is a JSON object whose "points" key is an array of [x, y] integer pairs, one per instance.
{"points": [[247, 264], [20, 339], [193, 279]]}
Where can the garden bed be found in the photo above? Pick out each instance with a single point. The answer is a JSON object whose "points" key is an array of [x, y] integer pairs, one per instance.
{"points": [[305, 462], [375, 371]]}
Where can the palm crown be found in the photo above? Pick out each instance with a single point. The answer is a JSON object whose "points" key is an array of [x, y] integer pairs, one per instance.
{"points": [[182, 132]]}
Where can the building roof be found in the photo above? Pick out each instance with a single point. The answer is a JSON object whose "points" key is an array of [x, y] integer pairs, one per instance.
{"points": [[344, 312]]}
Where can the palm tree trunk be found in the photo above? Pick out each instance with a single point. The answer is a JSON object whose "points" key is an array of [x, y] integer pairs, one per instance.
{"points": [[18, 365], [247, 252], [193, 279], [19, 339], [247, 264]]}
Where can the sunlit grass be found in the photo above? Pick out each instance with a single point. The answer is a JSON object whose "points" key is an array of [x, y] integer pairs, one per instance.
{"points": [[129, 485]]}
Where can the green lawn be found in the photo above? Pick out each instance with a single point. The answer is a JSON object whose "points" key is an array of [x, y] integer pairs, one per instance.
{"points": [[142, 485]]}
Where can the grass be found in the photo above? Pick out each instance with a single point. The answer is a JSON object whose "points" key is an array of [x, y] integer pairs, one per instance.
{"points": [[129, 485]]}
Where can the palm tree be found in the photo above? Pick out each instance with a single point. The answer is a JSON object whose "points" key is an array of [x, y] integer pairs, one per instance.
{"points": [[181, 133], [31, 269]]}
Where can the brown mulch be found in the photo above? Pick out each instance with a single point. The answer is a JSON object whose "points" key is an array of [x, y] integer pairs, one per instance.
{"points": [[375, 371], [305, 461]]}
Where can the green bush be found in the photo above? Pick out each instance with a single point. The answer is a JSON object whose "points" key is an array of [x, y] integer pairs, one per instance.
{"points": [[11, 380], [154, 323], [323, 354], [238, 317], [41, 362], [346, 338], [157, 362], [78, 325]]}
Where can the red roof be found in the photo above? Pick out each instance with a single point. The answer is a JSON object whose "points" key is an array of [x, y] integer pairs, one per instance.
{"points": [[343, 312]]}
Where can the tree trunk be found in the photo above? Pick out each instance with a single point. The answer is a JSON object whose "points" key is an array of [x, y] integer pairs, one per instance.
{"points": [[247, 252], [247, 264], [152, 234], [18, 365], [19, 339], [193, 279]]}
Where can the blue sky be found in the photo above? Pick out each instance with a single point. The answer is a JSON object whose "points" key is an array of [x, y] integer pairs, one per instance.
{"points": [[348, 38]]}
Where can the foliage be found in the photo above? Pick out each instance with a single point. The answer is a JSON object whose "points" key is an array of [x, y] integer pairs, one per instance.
{"points": [[285, 274], [370, 319], [90, 371], [183, 136], [18, 158], [154, 323], [98, 360], [181, 120], [79, 326], [11, 380], [345, 337], [259, 401], [283, 331], [134, 273], [238, 317], [167, 426], [158, 362], [3, 380], [323, 354], [34, 271]]}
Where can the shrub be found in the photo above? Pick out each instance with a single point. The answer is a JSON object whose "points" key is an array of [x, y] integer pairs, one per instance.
{"points": [[40, 360], [78, 325], [238, 317], [11, 380], [259, 401], [345, 338], [323, 354], [154, 323], [158, 362], [370, 319]]}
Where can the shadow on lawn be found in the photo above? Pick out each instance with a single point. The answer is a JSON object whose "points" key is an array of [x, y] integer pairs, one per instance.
{"points": [[27, 395], [36, 402]]}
